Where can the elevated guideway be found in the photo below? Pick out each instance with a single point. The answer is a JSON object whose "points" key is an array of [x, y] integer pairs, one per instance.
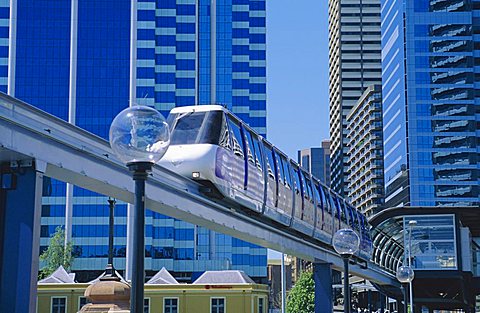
{"points": [[70, 154]]}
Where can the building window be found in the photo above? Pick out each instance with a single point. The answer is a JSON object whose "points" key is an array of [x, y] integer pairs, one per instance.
{"points": [[217, 305], [261, 305], [170, 305], [146, 305], [432, 242], [59, 305], [82, 301]]}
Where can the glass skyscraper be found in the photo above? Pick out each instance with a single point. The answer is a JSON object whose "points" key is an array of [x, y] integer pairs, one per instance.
{"points": [[355, 64], [431, 102], [316, 161], [84, 61]]}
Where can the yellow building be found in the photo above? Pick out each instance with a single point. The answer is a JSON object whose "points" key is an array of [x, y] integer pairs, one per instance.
{"points": [[213, 292]]}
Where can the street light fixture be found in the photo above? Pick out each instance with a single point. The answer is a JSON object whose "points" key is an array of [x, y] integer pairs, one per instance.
{"points": [[346, 243], [139, 136], [405, 276]]}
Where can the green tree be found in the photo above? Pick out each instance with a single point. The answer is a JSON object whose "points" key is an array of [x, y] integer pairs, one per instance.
{"points": [[58, 253], [301, 298]]}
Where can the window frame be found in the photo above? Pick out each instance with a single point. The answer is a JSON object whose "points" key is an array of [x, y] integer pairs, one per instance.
{"points": [[79, 301], [269, 161], [250, 148], [263, 304], [146, 300], [170, 298], [218, 298], [58, 297], [233, 122]]}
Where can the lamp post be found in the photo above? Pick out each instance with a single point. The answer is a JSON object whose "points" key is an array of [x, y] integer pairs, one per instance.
{"points": [[139, 136], [346, 243], [411, 224], [110, 268], [405, 276]]}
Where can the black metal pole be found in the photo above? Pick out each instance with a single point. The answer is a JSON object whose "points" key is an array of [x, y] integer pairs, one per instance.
{"points": [[111, 205], [346, 285], [404, 289], [140, 173]]}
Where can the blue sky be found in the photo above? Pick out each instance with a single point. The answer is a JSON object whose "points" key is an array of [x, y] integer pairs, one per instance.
{"points": [[297, 75]]}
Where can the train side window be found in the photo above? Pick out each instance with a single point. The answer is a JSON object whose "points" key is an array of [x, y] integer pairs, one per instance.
{"points": [[236, 138], [281, 171], [356, 223], [326, 203], [270, 164], [343, 210], [333, 205], [286, 169], [224, 136], [317, 195], [306, 193], [249, 146], [309, 189], [348, 213], [296, 175], [258, 154]]}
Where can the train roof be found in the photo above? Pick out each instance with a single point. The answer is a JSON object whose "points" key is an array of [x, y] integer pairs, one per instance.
{"points": [[198, 108]]}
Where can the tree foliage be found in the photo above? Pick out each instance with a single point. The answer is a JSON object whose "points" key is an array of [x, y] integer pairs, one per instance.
{"points": [[301, 297], [58, 253]]}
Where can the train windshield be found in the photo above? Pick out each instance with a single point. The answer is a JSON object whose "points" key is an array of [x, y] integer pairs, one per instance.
{"points": [[196, 127]]}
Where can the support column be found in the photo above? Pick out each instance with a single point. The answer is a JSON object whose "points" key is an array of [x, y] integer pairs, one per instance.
{"points": [[322, 276], [20, 212]]}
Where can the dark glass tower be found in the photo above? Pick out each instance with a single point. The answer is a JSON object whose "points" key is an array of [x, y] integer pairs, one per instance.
{"points": [[431, 102], [85, 61]]}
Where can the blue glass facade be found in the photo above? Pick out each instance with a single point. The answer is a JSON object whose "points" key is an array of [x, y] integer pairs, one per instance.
{"points": [[430, 50], [86, 63]]}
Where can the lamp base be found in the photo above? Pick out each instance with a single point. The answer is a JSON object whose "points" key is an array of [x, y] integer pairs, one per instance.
{"points": [[140, 166]]}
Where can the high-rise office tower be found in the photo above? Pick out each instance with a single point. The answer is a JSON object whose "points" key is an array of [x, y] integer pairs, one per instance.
{"points": [[85, 61], [317, 161], [431, 102], [365, 152], [354, 44]]}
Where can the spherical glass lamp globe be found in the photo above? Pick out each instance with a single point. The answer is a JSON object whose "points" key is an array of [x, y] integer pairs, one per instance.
{"points": [[405, 274], [346, 242], [139, 134]]}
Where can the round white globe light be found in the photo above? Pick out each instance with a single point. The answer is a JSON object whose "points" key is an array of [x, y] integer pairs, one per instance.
{"points": [[346, 241], [405, 274], [139, 134]]}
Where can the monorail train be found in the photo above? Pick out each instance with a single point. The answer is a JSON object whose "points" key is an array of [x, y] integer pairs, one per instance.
{"points": [[211, 145]]}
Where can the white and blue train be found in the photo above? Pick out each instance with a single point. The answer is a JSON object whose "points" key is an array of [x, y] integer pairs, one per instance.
{"points": [[211, 145]]}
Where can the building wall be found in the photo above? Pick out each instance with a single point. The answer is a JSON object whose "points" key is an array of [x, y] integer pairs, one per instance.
{"points": [[191, 298], [355, 64], [365, 151], [430, 102], [85, 61]]}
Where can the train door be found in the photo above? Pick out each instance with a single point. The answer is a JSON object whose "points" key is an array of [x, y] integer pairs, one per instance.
{"points": [[320, 232], [335, 211], [238, 159], [343, 213], [308, 214], [285, 201], [271, 180], [365, 239], [261, 166], [298, 199], [253, 183], [329, 220]]}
